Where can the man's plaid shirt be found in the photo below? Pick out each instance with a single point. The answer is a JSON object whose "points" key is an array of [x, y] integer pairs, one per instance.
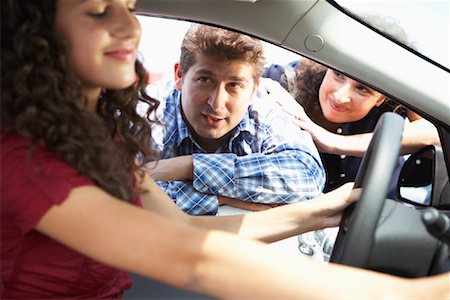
{"points": [[267, 160]]}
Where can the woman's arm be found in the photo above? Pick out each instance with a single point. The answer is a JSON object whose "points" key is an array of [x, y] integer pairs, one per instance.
{"points": [[211, 262], [270, 225], [417, 132], [416, 135], [287, 220]]}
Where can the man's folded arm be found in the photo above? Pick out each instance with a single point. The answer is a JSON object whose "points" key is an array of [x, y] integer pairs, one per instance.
{"points": [[284, 177]]}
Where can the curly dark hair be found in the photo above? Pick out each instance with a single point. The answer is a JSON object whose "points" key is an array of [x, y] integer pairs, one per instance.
{"points": [[43, 102], [309, 77]]}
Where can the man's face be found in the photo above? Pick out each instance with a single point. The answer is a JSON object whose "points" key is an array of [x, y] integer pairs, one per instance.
{"points": [[215, 96]]}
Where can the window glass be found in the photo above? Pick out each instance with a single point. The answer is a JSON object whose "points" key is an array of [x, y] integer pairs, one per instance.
{"points": [[161, 48], [426, 22]]}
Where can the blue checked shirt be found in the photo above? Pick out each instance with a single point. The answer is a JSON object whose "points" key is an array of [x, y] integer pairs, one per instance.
{"points": [[267, 160]]}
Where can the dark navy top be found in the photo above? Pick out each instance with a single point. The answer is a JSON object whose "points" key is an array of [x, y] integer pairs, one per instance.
{"points": [[341, 169]]}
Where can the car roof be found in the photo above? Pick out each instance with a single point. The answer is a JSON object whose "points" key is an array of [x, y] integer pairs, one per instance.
{"points": [[322, 31]]}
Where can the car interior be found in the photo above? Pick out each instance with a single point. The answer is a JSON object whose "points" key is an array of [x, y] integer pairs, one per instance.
{"points": [[409, 237]]}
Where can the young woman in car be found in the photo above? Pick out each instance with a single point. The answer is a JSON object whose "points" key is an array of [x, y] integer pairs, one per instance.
{"points": [[72, 191]]}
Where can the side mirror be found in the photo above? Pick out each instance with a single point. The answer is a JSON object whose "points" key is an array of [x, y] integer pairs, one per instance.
{"points": [[423, 180]]}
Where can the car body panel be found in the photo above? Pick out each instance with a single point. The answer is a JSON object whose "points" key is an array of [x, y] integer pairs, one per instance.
{"points": [[274, 20]]}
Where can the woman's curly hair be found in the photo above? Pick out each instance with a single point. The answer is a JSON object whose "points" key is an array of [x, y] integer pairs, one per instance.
{"points": [[44, 103], [309, 77]]}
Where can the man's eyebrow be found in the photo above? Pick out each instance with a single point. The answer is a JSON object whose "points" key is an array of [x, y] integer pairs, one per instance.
{"points": [[237, 78], [204, 71], [208, 72]]}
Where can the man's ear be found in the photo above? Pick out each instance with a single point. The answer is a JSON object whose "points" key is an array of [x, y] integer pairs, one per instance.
{"points": [[178, 76]]}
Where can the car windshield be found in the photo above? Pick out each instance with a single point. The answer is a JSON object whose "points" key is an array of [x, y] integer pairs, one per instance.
{"points": [[425, 22]]}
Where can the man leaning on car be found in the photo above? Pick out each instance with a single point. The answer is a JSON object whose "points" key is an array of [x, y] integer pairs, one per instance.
{"points": [[219, 142]]}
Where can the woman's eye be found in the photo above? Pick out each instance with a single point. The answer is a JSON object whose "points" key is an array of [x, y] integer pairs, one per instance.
{"points": [[98, 15], [338, 74], [363, 89], [131, 6], [99, 12]]}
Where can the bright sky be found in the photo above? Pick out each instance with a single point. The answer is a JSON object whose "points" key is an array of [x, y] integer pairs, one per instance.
{"points": [[426, 21]]}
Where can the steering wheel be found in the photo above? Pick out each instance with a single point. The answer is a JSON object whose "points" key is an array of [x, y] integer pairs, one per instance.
{"points": [[356, 232]]}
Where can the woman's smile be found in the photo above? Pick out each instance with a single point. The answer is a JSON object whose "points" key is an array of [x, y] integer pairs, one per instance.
{"points": [[122, 54], [335, 106]]}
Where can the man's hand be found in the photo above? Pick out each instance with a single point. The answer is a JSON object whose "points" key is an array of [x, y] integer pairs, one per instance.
{"points": [[176, 168]]}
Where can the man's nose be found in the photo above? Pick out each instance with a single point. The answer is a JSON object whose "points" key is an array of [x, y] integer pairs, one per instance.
{"points": [[218, 98]]}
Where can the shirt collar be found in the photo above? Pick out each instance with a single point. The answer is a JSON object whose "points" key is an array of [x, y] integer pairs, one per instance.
{"points": [[183, 131]]}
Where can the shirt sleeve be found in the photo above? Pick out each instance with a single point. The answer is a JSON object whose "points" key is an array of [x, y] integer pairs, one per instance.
{"points": [[285, 168], [189, 199], [32, 184], [284, 177]]}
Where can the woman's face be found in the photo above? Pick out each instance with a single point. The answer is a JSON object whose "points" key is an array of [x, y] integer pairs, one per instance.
{"points": [[102, 38], [345, 100]]}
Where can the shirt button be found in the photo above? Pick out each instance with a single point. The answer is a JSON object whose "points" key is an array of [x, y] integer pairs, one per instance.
{"points": [[306, 249], [343, 156], [339, 130], [342, 175]]}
